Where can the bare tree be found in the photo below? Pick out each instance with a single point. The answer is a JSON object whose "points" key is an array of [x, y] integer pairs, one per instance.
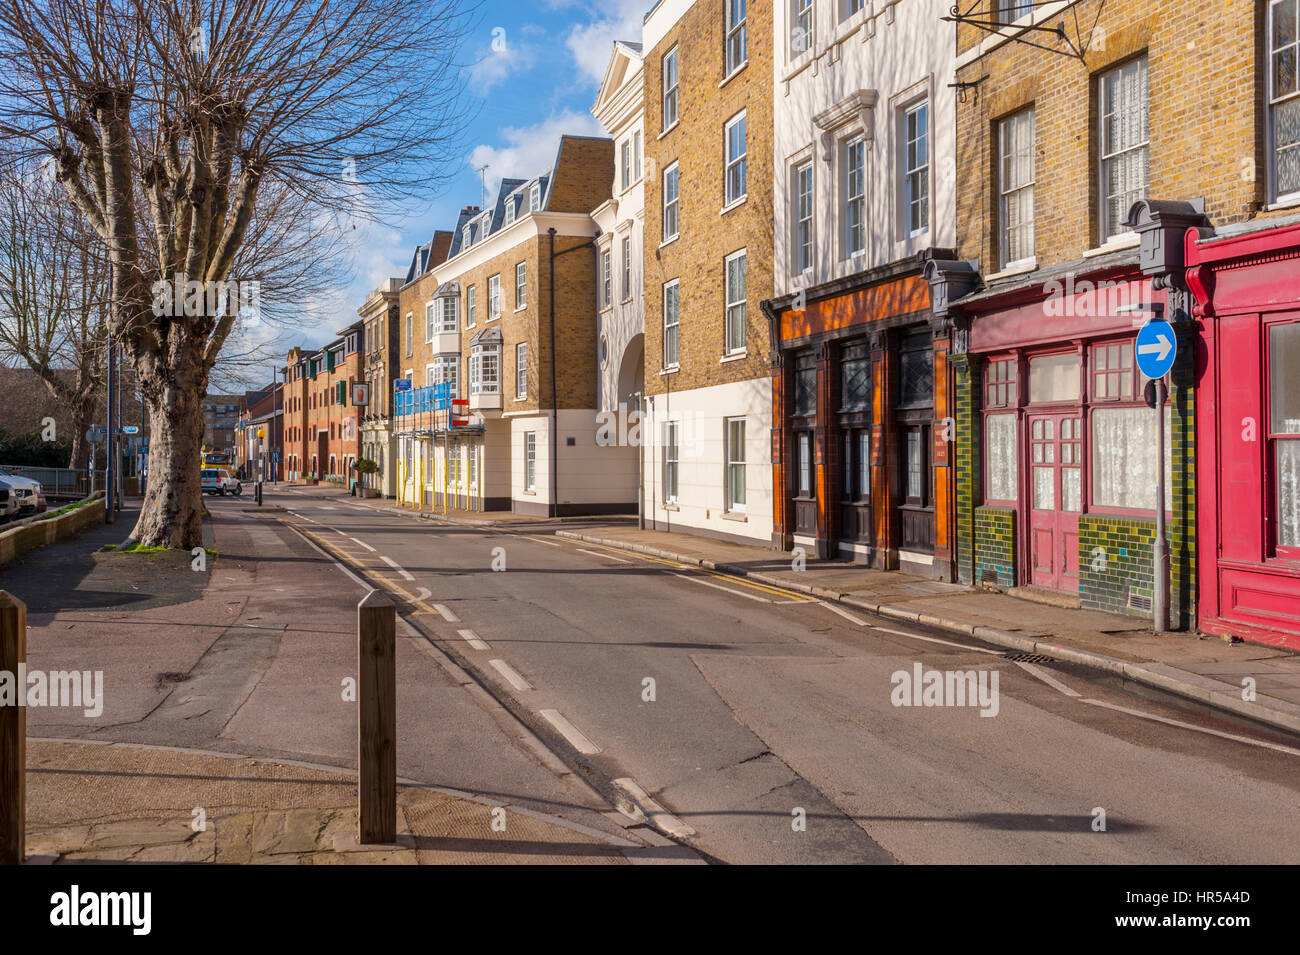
{"points": [[179, 126], [53, 305]]}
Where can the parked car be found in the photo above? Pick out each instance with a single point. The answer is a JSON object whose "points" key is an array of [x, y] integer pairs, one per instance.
{"points": [[8, 503], [28, 492], [220, 481]]}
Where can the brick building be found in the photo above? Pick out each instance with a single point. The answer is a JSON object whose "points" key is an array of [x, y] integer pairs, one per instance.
{"points": [[381, 343], [516, 339], [259, 444], [708, 79], [322, 434], [1058, 143], [864, 176]]}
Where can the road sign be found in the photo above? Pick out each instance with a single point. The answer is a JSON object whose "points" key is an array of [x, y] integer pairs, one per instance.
{"points": [[1156, 347], [459, 412], [131, 429]]}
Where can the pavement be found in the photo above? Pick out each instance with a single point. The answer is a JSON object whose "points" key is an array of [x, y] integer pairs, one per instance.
{"points": [[1202, 668], [222, 693]]}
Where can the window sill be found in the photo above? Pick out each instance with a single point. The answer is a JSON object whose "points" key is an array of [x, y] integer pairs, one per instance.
{"points": [[849, 26], [1119, 243], [1284, 202], [670, 241], [733, 74], [669, 129], [494, 318], [671, 370], [532, 493], [1012, 269], [669, 506], [798, 64], [734, 356], [521, 308], [733, 204], [735, 516]]}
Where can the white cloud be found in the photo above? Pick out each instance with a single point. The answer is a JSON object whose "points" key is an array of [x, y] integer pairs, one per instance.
{"points": [[502, 58], [530, 150], [591, 43]]}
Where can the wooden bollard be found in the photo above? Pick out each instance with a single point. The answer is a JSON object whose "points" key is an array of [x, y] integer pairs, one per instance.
{"points": [[377, 719], [13, 732]]}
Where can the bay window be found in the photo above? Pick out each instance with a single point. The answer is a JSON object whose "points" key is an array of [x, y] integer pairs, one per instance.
{"points": [[485, 369]]}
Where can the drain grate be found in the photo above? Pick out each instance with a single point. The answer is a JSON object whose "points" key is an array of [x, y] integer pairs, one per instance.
{"points": [[1020, 656]]}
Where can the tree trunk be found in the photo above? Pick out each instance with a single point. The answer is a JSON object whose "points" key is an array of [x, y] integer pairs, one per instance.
{"points": [[83, 419], [171, 514]]}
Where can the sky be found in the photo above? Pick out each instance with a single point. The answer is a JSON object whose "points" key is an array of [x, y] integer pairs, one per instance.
{"points": [[534, 69]]}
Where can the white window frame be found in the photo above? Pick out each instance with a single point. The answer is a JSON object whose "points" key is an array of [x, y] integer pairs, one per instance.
{"points": [[803, 15], [735, 166], [521, 370], [530, 460], [448, 319], [625, 163], [672, 207], [535, 197], [849, 7], [912, 177], [803, 202], [606, 278], [672, 460], [672, 328], [431, 319], [735, 314], [485, 369], [510, 210], [410, 333], [1276, 102], [627, 269], [736, 39], [446, 368], [494, 296], [466, 235], [849, 198], [670, 84], [735, 464], [1009, 11], [1010, 189], [1108, 230], [521, 285], [636, 156], [471, 306]]}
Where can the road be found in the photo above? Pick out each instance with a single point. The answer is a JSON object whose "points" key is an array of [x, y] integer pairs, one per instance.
{"points": [[760, 726]]}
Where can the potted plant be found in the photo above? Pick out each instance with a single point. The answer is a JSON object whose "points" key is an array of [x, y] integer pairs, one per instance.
{"points": [[364, 466]]}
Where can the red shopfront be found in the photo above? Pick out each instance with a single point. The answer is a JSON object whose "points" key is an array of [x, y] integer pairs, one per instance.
{"points": [[1066, 449], [1247, 300]]}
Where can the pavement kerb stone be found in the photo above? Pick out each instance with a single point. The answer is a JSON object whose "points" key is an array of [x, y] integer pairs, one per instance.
{"points": [[1277, 713]]}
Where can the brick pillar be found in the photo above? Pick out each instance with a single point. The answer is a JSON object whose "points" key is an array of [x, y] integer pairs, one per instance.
{"points": [[884, 453], [968, 458], [943, 437], [826, 455], [1182, 494], [782, 519]]}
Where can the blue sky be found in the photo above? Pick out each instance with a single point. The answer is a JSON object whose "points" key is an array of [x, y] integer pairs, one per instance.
{"points": [[537, 82]]}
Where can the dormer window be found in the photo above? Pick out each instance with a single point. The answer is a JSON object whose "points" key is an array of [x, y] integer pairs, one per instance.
{"points": [[535, 197], [510, 210], [466, 236]]}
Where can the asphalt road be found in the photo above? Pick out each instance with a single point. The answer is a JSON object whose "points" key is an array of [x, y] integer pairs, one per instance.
{"points": [[760, 726]]}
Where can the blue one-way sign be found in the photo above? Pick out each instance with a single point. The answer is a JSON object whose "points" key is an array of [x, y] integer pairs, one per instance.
{"points": [[1156, 347]]}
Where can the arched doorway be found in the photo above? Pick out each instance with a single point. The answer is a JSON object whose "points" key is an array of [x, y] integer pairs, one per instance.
{"points": [[631, 371]]}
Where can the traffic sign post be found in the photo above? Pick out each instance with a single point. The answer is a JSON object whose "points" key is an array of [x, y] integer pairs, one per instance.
{"points": [[1156, 348]]}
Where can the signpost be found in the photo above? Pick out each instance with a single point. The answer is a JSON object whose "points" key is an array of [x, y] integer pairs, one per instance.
{"points": [[1156, 348]]}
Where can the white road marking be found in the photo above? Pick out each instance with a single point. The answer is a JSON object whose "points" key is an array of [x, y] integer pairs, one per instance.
{"points": [[1048, 678], [446, 614], [1189, 726], [843, 613], [363, 544], [596, 553], [542, 540], [396, 566], [311, 543], [512, 676], [947, 643], [424, 594], [303, 517], [570, 732], [472, 639], [658, 815], [709, 583]]}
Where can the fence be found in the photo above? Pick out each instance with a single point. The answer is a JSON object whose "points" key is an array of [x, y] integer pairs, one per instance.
{"points": [[59, 482]]}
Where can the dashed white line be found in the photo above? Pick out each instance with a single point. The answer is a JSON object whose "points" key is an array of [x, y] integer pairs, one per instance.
{"points": [[570, 732], [655, 813], [446, 614], [363, 544], [596, 553], [473, 640], [1047, 678], [396, 566], [843, 613], [709, 583], [542, 540], [511, 674]]}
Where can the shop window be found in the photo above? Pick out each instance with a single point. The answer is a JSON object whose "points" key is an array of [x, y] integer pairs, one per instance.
{"points": [[1112, 372], [1124, 458], [855, 381], [857, 466], [805, 385], [805, 464], [916, 371], [1000, 459], [1284, 433], [1000, 384], [1054, 378]]}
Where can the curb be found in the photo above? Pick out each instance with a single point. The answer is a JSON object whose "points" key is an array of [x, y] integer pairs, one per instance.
{"points": [[1278, 714]]}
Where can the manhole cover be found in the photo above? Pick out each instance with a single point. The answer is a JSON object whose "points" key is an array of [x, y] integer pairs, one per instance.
{"points": [[1019, 656]]}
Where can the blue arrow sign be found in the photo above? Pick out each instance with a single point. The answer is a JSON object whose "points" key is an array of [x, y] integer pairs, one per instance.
{"points": [[1157, 345]]}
